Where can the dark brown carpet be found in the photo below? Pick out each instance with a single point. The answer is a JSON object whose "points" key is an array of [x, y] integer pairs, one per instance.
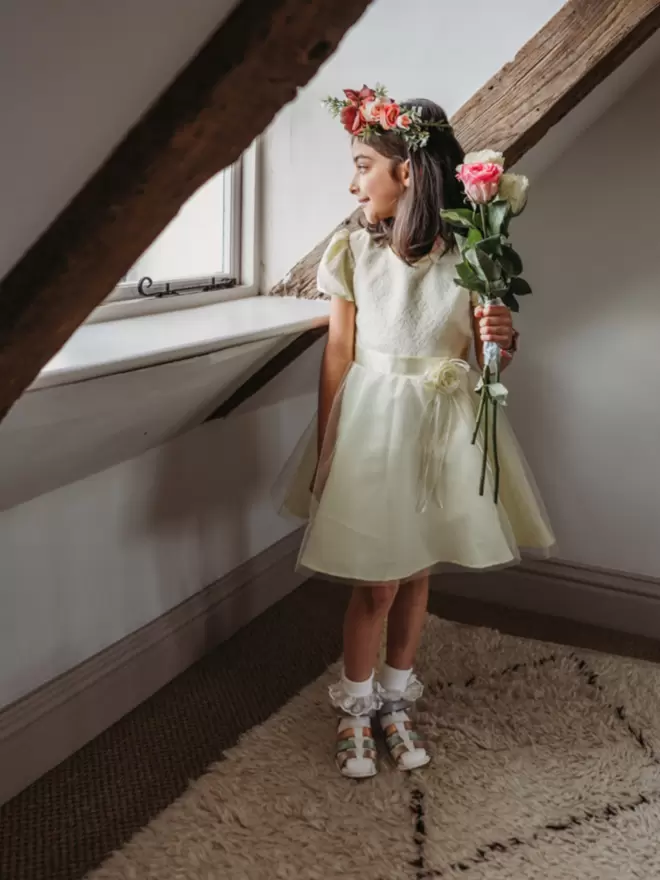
{"points": [[70, 820]]}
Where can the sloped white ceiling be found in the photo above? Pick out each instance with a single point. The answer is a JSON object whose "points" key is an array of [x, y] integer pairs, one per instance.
{"points": [[75, 76]]}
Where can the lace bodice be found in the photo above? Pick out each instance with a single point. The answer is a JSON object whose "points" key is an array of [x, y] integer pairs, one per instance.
{"points": [[403, 310]]}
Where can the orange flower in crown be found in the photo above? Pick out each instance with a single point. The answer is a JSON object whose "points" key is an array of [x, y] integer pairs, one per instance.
{"points": [[370, 111]]}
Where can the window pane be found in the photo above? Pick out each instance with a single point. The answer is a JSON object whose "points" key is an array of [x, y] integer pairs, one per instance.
{"points": [[194, 242]]}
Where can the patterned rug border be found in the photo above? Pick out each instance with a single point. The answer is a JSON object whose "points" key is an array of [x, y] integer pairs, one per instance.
{"points": [[608, 813]]}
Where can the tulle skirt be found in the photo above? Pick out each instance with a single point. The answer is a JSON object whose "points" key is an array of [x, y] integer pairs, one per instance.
{"points": [[395, 491]]}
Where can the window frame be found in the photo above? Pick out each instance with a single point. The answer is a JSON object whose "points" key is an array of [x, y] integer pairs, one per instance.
{"points": [[242, 243]]}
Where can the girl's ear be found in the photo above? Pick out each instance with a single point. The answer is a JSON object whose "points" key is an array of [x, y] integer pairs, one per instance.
{"points": [[404, 173]]}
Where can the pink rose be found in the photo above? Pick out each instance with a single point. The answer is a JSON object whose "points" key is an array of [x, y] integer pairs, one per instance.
{"points": [[388, 115], [404, 121], [351, 119], [481, 181]]}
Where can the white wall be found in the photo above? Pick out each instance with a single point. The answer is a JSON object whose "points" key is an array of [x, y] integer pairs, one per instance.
{"points": [[85, 565], [75, 75], [583, 402]]}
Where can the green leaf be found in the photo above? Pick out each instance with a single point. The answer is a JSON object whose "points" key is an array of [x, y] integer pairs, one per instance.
{"points": [[519, 287], [478, 286], [485, 267], [462, 217], [461, 241], [507, 223], [491, 245], [472, 258], [497, 214], [466, 272], [498, 392], [474, 237], [511, 302], [510, 261]]}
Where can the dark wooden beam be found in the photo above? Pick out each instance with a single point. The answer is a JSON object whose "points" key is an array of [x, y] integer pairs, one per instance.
{"points": [[578, 48], [226, 96], [574, 52]]}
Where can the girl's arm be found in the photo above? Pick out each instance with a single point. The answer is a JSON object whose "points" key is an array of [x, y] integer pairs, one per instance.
{"points": [[338, 355], [493, 324]]}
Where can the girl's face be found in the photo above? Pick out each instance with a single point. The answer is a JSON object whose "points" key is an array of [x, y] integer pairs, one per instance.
{"points": [[377, 185]]}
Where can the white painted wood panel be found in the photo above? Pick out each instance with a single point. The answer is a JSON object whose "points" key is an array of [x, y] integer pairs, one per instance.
{"points": [[61, 435]]}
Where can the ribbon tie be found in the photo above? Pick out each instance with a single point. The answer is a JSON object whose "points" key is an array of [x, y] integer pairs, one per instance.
{"points": [[443, 381]]}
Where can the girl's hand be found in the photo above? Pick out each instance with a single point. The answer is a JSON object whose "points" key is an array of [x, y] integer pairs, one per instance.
{"points": [[495, 325]]}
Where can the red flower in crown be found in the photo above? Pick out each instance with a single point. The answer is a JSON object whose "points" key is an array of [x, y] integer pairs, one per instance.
{"points": [[352, 119], [358, 98], [352, 115]]}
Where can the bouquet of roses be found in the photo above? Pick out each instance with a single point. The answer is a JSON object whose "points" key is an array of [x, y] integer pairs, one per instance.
{"points": [[492, 269]]}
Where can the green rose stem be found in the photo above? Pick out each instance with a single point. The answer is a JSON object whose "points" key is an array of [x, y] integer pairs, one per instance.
{"points": [[487, 399], [484, 396], [480, 415], [484, 461], [484, 225], [496, 455]]}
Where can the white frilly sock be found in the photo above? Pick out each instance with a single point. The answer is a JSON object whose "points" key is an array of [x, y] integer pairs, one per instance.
{"points": [[357, 698], [358, 688], [394, 681]]}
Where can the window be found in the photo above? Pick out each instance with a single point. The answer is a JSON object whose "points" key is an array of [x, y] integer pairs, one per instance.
{"points": [[206, 254]]}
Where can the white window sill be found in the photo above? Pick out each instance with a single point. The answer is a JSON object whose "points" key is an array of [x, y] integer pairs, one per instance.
{"points": [[132, 343]]}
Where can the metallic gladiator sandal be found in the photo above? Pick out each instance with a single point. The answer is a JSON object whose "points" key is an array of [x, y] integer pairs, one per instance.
{"points": [[405, 745], [355, 752]]}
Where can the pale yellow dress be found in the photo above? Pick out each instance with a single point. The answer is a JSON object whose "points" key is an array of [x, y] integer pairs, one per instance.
{"points": [[396, 488]]}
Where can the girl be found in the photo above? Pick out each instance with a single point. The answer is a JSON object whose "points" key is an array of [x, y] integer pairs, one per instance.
{"points": [[391, 489]]}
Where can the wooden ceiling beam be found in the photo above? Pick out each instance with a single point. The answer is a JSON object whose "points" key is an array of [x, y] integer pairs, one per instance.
{"points": [[575, 51], [215, 108]]}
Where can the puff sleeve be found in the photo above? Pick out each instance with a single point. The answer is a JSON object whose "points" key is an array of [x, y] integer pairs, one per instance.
{"points": [[335, 273]]}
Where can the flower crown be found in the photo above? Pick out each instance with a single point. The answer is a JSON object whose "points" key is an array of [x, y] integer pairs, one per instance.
{"points": [[371, 111]]}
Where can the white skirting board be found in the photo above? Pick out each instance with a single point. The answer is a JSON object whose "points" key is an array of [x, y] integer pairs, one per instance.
{"points": [[50, 724], [47, 726]]}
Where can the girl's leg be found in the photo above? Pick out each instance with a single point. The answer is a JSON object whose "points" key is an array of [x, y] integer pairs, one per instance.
{"points": [[354, 696], [406, 621], [363, 626], [404, 628]]}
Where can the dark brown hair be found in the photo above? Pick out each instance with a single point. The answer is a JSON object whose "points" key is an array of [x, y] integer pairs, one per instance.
{"points": [[417, 226]]}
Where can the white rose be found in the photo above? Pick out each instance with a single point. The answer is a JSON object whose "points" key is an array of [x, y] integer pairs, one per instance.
{"points": [[514, 188], [371, 110], [445, 378], [484, 157]]}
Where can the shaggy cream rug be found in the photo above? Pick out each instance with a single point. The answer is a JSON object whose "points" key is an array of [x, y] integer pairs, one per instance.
{"points": [[545, 766]]}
